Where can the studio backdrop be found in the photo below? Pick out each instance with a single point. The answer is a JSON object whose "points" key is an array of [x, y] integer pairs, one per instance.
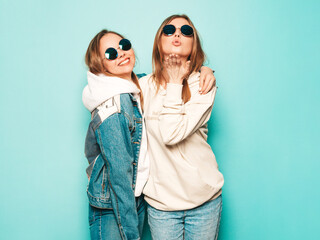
{"points": [[264, 129]]}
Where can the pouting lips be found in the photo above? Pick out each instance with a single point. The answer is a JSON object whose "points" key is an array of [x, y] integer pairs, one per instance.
{"points": [[176, 43]]}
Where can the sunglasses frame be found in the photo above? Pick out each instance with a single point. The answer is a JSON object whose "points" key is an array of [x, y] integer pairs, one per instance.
{"points": [[181, 30], [107, 53]]}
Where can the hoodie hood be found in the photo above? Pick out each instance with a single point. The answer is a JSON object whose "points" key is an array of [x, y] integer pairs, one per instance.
{"points": [[101, 87]]}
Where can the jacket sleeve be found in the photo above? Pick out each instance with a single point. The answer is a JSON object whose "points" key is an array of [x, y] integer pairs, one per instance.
{"points": [[178, 120], [114, 139]]}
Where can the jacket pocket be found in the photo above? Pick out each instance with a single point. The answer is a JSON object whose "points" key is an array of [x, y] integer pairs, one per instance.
{"points": [[98, 188]]}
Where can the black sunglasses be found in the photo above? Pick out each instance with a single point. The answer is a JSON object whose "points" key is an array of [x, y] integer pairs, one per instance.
{"points": [[170, 29], [112, 53]]}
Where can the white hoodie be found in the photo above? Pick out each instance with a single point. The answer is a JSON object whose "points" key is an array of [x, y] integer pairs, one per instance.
{"points": [[99, 89]]}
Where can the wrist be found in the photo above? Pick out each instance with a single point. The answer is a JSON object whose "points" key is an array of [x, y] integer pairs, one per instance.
{"points": [[203, 68]]}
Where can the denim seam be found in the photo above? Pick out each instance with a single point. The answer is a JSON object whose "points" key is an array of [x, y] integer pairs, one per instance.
{"points": [[218, 224], [126, 115], [100, 235], [135, 171], [98, 198], [184, 226], [103, 180]]}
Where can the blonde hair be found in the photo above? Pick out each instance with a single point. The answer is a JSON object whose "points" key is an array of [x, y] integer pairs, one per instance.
{"points": [[196, 57], [95, 62]]}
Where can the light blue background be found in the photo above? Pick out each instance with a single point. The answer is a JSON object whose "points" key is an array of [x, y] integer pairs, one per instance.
{"points": [[264, 129]]}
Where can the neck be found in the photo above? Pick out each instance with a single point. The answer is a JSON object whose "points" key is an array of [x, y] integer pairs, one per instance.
{"points": [[126, 76]]}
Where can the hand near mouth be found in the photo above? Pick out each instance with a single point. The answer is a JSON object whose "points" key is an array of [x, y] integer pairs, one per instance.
{"points": [[175, 69]]}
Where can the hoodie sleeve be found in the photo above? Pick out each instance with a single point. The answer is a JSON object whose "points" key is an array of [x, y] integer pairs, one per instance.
{"points": [[113, 137], [178, 120]]}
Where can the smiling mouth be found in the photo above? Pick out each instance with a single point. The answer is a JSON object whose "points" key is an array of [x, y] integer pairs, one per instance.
{"points": [[124, 62]]}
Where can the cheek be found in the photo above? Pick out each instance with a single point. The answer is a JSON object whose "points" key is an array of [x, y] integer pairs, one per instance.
{"points": [[109, 66], [165, 44], [133, 57], [189, 46], [105, 64]]}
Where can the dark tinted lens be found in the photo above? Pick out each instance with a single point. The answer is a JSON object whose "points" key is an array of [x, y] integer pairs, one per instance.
{"points": [[125, 44], [186, 30], [169, 29], [111, 53]]}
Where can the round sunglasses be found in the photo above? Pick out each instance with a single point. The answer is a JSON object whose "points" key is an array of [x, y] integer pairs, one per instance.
{"points": [[170, 29], [112, 53]]}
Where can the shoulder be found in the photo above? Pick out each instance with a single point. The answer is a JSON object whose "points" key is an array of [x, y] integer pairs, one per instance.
{"points": [[108, 108], [146, 80], [126, 102], [147, 85], [194, 81]]}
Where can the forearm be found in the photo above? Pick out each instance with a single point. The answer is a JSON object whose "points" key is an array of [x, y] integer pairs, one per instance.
{"points": [[178, 120]]}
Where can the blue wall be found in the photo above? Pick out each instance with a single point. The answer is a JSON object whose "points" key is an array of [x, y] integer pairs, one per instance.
{"points": [[264, 129]]}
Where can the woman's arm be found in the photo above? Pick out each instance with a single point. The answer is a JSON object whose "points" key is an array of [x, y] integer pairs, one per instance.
{"points": [[207, 80], [114, 139], [178, 120], [176, 69]]}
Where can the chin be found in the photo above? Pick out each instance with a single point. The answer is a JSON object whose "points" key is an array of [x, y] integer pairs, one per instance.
{"points": [[179, 52]]}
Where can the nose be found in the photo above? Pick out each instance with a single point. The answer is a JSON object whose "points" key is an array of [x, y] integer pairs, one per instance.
{"points": [[177, 32], [121, 53]]}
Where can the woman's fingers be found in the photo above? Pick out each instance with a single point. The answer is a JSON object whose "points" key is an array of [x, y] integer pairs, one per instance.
{"points": [[166, 62], [207, 80], [178, 61], [209, 83], [173, 60], [202, 80], [206, 83]]}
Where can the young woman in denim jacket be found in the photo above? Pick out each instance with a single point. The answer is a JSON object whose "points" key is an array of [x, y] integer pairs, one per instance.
{"points": [[116, 139], [183, 191]]}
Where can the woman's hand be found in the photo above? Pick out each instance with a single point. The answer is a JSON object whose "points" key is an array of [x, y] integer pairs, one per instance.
{"points": [[175, 69], [207, 80]]}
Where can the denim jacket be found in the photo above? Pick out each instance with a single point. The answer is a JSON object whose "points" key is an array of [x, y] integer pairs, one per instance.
{"points": [[112, 148]]}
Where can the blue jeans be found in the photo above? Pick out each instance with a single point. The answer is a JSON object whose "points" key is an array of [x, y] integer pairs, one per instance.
{"points": [[103, 222], [200, 223]]}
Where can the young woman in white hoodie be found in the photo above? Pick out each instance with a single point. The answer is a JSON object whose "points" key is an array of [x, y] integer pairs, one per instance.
{"points": [[183, 191], [116, 144]]}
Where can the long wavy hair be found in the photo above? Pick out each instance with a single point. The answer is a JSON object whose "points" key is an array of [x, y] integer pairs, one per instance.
{"points": [[95, 62], [197, 57]]}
